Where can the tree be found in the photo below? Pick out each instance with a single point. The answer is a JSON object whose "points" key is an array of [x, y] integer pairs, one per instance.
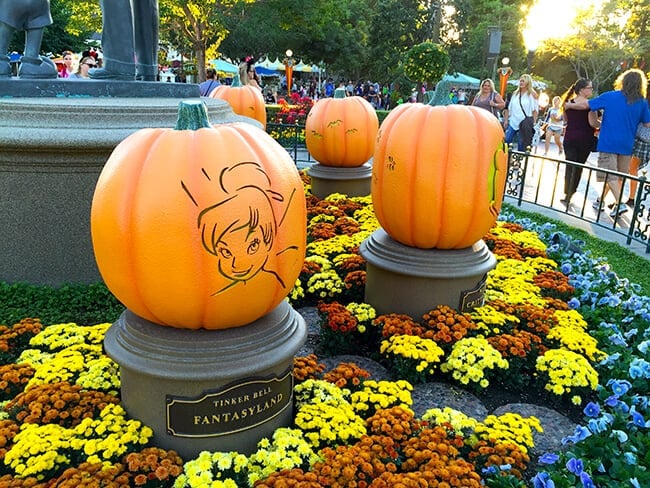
{"points": [[196, 24], [426, 62]]}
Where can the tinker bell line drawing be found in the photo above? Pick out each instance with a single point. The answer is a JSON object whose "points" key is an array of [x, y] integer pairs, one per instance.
{"points": [[239, 230]]}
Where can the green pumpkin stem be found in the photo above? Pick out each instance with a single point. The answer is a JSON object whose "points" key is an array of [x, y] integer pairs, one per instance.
{"points": [[236, 81], [192, 115]]}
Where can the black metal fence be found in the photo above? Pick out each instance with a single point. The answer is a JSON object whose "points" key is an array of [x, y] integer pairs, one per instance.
{"points": [[540, 181], [292, 138]]}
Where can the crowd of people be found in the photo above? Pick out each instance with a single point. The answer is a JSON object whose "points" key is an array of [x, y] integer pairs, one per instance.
{"points": [[615, 124]]}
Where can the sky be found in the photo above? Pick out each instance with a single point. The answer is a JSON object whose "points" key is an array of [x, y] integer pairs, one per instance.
{"points": [[552, 19]]}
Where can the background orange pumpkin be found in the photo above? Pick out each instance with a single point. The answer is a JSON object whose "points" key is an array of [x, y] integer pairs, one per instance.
{"points": [[244, 100], [202, 228], [438, 175], [341, 132]]}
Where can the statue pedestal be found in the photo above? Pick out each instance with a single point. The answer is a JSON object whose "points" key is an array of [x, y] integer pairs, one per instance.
{"points": [[51, 153], [216, 390], [353, 182], [402, 279]]}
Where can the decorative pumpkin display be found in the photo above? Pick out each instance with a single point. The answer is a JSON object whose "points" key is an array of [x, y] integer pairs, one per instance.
{"points": [[438, 175], [244, 100], [199, 226], [341, 131]]}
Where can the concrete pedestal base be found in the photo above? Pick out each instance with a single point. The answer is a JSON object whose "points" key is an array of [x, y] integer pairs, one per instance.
{"points": [[402, 279], [353, 182], [201, 390], [51, 153]]}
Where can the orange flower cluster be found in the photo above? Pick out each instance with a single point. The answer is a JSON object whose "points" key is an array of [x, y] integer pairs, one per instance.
{"points": [[355, 282], [153, 464], [485, 454], [8, 481], [351, 263], [357, 464], [93, 476], [321, 232], [347, 375], [554, 284], [307, 368], [447, 324], [534, 319], [14, 338], [57, 403], [287, 478], [336, 317], [507, 249], [396, 422], [8, 430], [393, 324], [13, 378], [519, 344]]}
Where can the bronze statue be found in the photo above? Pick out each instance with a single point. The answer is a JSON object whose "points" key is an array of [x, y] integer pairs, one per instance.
{"points": [[129, 40], [32, 16]]}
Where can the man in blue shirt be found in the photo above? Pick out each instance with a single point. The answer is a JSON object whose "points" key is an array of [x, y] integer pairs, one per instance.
{"points": [[623, 110]]}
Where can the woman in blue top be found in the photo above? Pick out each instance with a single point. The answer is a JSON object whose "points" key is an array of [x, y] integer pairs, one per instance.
{"points": [[623, 110]]}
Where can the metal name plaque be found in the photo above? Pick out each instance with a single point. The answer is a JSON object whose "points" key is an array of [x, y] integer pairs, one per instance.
{"points": [[234, 408], [470, 299]]}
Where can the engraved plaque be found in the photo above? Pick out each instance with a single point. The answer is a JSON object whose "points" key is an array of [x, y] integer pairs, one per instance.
{"points": [[470, 299], [233, 408]]}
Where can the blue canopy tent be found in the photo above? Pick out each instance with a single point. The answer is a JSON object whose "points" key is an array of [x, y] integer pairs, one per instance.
{"points": [[262, 71], [460, 80], [224, 66]]}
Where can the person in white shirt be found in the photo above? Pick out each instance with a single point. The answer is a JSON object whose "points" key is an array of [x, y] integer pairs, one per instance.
{"points": [[521, 116]]}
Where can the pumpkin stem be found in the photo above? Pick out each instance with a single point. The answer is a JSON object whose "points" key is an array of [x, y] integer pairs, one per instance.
{"points": [[236, 81], [192, 115]]}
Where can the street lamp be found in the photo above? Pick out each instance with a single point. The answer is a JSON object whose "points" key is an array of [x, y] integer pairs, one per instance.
{"points": [[504, 73], [288, 66]]}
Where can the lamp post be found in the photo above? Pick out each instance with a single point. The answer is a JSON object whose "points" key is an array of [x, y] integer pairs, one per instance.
{"points": [[288, 65], [504, 73]]}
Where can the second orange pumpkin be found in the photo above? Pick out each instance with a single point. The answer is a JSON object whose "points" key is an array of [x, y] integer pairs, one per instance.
{"points": [[341, 132], [244, 99]]}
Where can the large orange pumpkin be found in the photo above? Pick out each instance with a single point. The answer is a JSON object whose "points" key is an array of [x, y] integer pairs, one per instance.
{"points": [[438, 175], [199, 226], [341, 131], [244, 100]]}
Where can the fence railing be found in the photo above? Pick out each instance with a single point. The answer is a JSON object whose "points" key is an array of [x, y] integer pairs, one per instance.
{"points": [[540, 181]]}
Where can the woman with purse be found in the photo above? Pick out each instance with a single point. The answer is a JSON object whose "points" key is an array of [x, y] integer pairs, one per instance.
{"points": [[578, 135], [488, 98], [522, 113]]}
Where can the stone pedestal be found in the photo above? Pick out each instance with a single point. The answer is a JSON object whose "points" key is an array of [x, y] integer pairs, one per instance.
{"points": [[353, 182], [218, 390], [402, 279], [51, 153]]}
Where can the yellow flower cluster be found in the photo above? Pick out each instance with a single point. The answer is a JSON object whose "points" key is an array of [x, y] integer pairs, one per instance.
{"points": [[336, 245], [318, 391], [297, 293], [469, 358], [461, 423], [489, 320], [288, 450], [576, 340], [325, 284], [424, 353], [512, 282], [509, 427], [200, 472], [524, 238], [329, 424], [38, 449], [363, 312], [379, 395], [566, 370], [61, 336]]}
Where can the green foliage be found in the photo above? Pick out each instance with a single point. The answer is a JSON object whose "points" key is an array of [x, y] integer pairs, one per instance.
{"points": [[426, 62], [83, 304]]}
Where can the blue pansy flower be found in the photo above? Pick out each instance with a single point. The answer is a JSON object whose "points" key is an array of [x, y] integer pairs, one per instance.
{"points": [[586, 480], [630, 458], [574, 303], [548, 458], [592, 409], [635, 483], [619, 387], [620, 435], [543, 480], [575, 466]]}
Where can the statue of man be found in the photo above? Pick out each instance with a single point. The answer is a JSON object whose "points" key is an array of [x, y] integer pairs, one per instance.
{"points": [[129, 40], [32, 16]]}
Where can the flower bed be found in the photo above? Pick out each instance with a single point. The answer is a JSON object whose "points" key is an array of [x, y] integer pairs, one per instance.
{"points": [[556, 320]]}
